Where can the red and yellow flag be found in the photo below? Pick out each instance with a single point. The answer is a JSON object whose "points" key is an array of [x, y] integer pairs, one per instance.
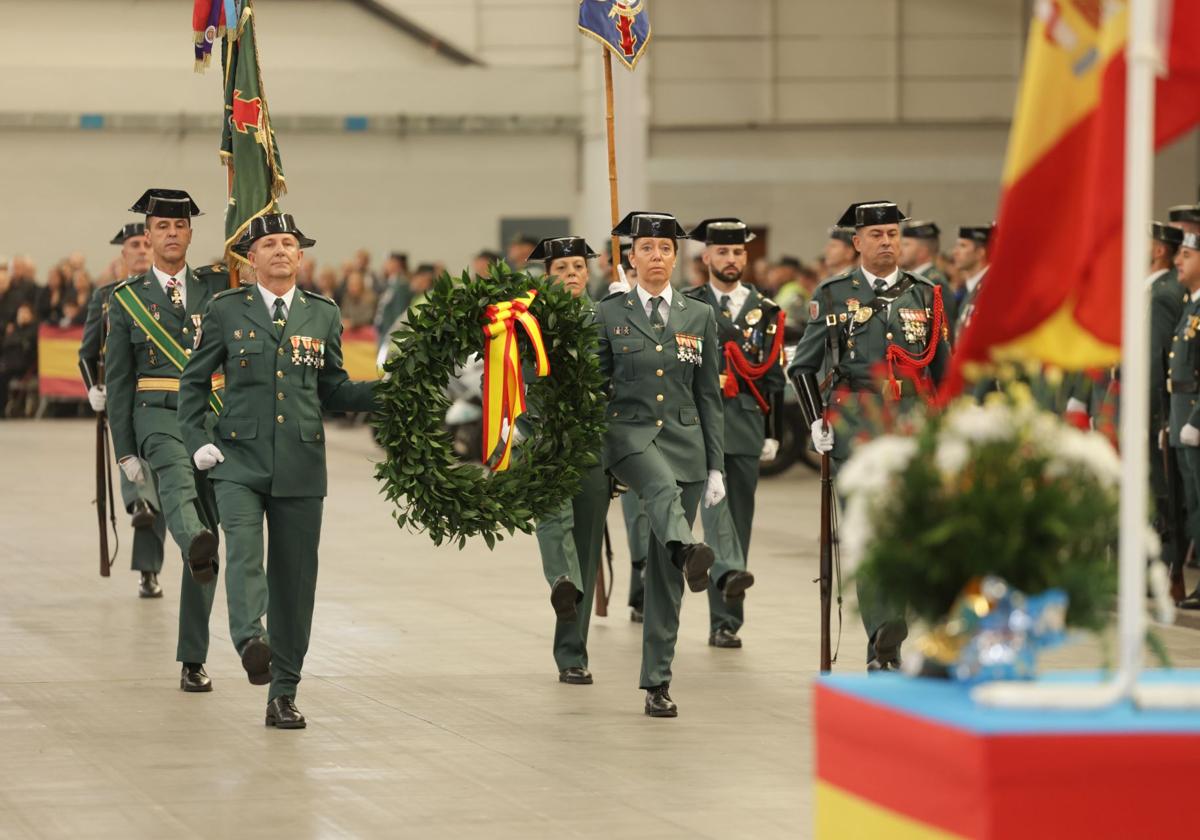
{"points": [[1053, 291], [503, 383]]}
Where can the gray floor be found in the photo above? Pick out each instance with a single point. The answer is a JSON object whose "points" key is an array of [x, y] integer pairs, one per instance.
{"points": [[432, 698]]}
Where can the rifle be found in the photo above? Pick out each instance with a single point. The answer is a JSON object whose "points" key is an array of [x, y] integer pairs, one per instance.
{"points": [[603, 593], [105, 505], [812, 405], [1172, 519]]}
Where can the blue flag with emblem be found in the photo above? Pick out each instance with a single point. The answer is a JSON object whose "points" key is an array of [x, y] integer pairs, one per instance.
{"points": [[623, 28]]}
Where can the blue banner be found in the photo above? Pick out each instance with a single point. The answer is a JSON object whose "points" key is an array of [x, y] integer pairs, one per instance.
{"points": [[623, 27]]}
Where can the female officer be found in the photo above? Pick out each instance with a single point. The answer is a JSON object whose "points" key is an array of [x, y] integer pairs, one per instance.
{"points": [[571, 539], [665, 430]]}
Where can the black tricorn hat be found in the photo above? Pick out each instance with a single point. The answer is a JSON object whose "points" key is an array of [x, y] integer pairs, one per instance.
{"points": [[866, 213], [269, 225], [842, 234], [552, 248], [1184, 213], [726, 231], [640, 224], [920, 230], [128, 232], [166, 204], [979, 235], [1166, 233]]}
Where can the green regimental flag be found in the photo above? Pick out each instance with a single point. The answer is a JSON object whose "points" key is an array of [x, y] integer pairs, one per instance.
{"points": [[248, 145]]}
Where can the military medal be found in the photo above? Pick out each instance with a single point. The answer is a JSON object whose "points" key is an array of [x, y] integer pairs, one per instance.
{"points": [[196, 337], [154, 312], [237, 335], [320, 345], [295, 349], [852, 304], [863, 315], [621, 330], [251, 334], [753, 316]]}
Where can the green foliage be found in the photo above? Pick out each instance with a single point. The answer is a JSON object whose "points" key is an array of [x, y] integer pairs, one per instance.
{"points": [[432, 490], [1003, 512]]}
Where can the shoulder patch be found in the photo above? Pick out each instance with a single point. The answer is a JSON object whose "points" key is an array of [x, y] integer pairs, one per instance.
{"points": [[814, 309], [209, 270], [920, 278], [316, 296], [694, 292], [224, 293], [612, 295]]}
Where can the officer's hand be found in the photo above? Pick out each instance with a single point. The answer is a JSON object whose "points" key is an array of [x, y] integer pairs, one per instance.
{"points": [[97, 398], [132, 467], [822, 437], [770, 450], [621, 285], [1189, 435], [207, 457], [714, 490]]}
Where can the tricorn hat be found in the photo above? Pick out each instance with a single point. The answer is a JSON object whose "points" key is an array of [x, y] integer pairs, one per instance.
{"points": [[1184, 213], [640, 224], [980, 235], [128, 232], [866, 213], [554, 247], [269, 225], [166, 204], [727, 231], [920, 230], [1166, 233], [842, 234], [1191, 241]]}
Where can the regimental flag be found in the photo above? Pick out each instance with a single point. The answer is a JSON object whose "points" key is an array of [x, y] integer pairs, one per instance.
{"points": [[1053, 291], [624, 28], [247, 141], [208, 24]]}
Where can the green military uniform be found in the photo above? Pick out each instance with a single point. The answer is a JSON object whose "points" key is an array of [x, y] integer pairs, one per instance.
{"points": [[949, 302], [278, 380], [665, 434], [147, 553], [851, 326], [727, 525], [1184, 385], [142, 402], [637, 535]]}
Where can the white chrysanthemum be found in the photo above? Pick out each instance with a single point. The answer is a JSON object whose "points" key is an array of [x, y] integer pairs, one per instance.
{"points": [[1071, 448], [874, 464], [981, 423], [951, 455]]}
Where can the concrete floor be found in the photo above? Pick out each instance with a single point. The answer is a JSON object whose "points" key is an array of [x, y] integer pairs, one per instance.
{"points": [[432, 699]]}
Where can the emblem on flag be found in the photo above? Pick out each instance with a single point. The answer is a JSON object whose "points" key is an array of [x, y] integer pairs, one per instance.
{"points": [[622, 27]]}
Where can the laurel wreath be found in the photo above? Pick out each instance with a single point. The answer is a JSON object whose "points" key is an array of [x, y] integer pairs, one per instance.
{"points": [[434, 491]]}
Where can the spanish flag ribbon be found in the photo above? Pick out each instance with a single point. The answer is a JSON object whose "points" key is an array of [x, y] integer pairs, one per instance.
{"points": [[503, 385]]}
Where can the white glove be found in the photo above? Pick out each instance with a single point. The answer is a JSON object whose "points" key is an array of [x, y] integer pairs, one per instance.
{"points": [[1189, 435], [822, 437], [207, 457], [1076, 406], [97, 398], [770, 450], [132, 467], [621, 285], [714, 490]]}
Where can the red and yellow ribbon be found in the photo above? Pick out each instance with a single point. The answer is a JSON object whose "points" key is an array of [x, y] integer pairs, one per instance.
{"points": [[503, 385]]}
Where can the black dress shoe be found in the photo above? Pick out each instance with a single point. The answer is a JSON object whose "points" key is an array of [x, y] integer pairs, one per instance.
{"points": [[695, 560], [659, 703], [193, 678], [148, 586], [563, 597], [636, 615], [734, 586], [876, 665], [143, 515], [202, 557], [575, 676], [1191, 602], [256, 659], [724, 638], [283, 714]]}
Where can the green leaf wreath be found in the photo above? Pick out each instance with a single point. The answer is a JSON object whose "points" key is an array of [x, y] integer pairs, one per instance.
{"points": [[433, 491]]}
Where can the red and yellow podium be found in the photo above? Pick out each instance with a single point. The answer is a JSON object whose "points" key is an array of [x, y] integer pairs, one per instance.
{"points": [[915, 759]]}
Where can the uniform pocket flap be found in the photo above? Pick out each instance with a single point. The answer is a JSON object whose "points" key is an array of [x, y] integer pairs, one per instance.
{"points": [[688, 416], [237, 428], [247, 347], [312, 430], [628, 345], [622, 412]]}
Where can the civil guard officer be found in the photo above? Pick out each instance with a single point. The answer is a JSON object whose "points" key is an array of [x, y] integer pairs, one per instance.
{"points": [[752, 384], [972, 256], [140, 500], [875, 317], [281, 348], [1184, 384], [152, 321], [665, 430], [571, 539], [919, 245]]}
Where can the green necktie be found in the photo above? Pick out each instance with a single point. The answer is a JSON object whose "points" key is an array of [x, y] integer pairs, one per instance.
{"points": [[279, 316], [655, 317], [725, 307]]}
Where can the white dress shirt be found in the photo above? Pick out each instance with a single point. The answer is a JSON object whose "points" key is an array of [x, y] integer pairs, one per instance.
{"points": [[888, 282], [164, 278], [269, 300], [974, 280], [664, 308], [737, 298]]}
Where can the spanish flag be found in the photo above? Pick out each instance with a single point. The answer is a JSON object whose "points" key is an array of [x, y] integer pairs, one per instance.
{"points": [[1053, 291]]}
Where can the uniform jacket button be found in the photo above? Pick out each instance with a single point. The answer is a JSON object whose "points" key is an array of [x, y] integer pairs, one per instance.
{"points": [[658, 422], [279, 396], [279, 419], [659, 398], [658, 347], [279, 374], [658, 372], [889, 336], [233, 435]]}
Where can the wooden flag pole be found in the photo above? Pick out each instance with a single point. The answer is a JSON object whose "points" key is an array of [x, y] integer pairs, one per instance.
{"points": [[234, 268]]}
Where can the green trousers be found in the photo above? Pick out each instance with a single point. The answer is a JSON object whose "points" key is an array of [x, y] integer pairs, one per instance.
{"points": [[727, 529], [637, 533], [571, 541], [283, 591], [147, 554], [1188, 458], [187, 506]]}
